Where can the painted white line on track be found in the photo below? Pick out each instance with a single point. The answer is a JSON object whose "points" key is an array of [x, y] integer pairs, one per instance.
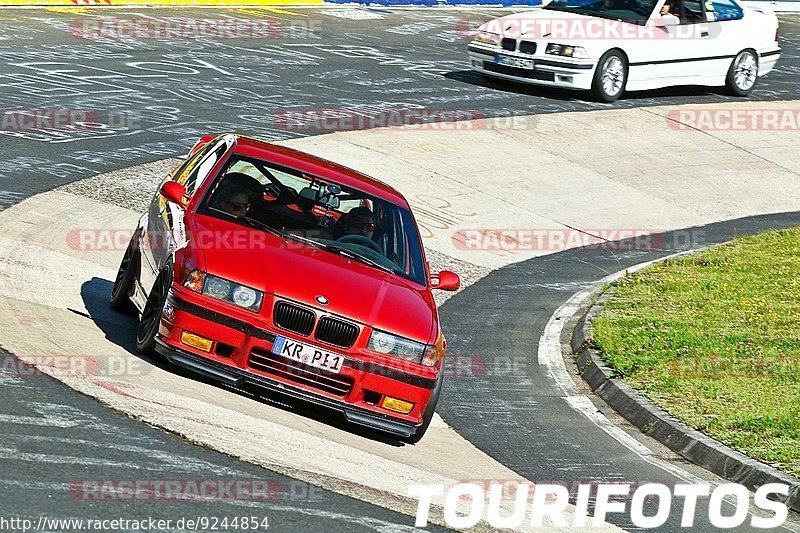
{"points": [[550, 357], [549, 354]]}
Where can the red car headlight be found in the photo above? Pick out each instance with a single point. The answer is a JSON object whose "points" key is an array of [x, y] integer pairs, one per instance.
{"points": [[224, 290], [416, 352], [396, 346]]}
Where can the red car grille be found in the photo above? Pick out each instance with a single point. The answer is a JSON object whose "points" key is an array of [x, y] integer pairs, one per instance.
{"points": [[336, 332], [301, 320], [293, 318], [299, 373]]}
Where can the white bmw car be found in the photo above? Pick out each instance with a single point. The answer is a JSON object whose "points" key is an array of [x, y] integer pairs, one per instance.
{"points": [[613, 46]]}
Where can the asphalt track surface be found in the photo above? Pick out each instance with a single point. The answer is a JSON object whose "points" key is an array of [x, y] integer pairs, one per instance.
{"points": [[62, 455], [510, 408], [178, 90], [175, 91]]}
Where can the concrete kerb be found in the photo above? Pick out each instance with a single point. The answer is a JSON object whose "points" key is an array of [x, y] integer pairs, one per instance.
{"points": [[653, 421]]}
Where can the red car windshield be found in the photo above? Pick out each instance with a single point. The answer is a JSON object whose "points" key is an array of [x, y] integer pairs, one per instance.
{"points": [[319, 213]]}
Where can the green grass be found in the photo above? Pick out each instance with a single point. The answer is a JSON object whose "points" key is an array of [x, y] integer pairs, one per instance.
{"points": [[714, 339]]}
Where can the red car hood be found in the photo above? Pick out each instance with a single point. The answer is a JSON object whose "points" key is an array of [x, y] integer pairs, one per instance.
{"points": [[295, 271]]}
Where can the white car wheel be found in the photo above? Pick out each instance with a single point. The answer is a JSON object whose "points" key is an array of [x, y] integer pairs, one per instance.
{"points": [[610, 76], [743, 73]]}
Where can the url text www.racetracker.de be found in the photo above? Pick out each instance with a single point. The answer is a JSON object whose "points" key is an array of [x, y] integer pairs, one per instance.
{"points": [[198, 523]]}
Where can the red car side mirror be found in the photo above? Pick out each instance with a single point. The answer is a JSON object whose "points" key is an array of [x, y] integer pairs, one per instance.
{"points": [[446, 281], [174, 192]]}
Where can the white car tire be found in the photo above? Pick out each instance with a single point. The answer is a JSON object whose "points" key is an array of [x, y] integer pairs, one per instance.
{"points": [[743, 73], [610, 76]]}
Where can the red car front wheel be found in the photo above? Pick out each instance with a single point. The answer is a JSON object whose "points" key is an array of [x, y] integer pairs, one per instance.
{"points": [[151, 315], [123, 284]]}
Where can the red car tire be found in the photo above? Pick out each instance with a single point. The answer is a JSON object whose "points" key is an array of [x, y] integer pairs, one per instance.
{"points": [[151, 314], [123, 284]]}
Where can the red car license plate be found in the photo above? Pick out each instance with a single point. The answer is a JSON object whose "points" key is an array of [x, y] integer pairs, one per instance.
{"points": [[307, 354]]}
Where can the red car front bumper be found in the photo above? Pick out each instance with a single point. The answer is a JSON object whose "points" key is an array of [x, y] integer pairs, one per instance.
{"points": [[241, 356]]}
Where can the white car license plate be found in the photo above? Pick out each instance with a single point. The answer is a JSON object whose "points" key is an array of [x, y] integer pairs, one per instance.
{"points": [[307, 354], [517, 62]]}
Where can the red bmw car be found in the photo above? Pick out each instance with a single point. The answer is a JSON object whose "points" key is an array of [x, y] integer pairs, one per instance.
{"points": [[261, 266]]}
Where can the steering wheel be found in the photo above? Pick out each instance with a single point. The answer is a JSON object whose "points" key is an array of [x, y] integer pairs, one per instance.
{"points": [[362, 241], [288, 196], [283, 195]]}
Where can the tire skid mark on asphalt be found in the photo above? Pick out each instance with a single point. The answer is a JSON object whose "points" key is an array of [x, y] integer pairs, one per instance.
{"points": [[36, 421], [70, 419], [35, 485], [173, 462], [378, 525], [172, 465], [53, 415], [172, 415], [15, 454], [10, 380], [25, 488]]}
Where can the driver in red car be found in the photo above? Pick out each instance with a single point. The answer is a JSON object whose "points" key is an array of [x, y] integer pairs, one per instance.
{"points": [[236, 193], [359, 221]]}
